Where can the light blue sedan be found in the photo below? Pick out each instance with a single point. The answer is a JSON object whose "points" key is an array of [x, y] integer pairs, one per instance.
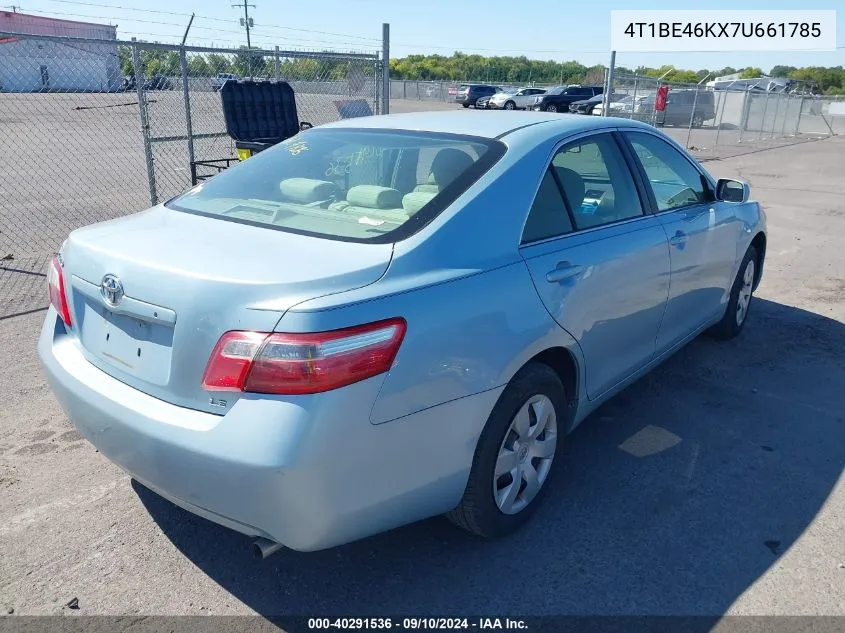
{"points": [[389, 318]]}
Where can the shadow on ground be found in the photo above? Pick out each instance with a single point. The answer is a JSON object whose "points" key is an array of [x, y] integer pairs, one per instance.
{"points": [[675, 497]]}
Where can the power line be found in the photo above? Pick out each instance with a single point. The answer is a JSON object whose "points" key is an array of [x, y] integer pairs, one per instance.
{"points": [[253, 32], [199, 17]]}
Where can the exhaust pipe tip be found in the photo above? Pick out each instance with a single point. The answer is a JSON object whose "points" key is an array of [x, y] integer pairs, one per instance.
{"points": [[262, 547]]}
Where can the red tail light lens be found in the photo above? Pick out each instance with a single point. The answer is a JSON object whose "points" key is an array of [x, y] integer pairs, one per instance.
{"points": [[56, 287], [231, 359], [292, 364]]}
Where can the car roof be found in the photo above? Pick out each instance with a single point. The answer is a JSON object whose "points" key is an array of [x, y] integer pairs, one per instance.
{"points": [[489, 125]]}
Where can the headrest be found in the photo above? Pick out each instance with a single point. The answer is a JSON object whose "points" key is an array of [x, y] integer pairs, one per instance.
{"points": [[374, 197], [573, 187], [306, 190], [416, 200], [448, 164]]}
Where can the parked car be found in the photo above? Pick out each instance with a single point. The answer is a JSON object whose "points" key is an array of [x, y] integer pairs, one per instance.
{"points": [[514, 98], [557, 99], [129, 82], [687, 106], [585, 106], [220, 78], [469, 94], [316, 346], [625, 105], [481, 103], [158, 82]]}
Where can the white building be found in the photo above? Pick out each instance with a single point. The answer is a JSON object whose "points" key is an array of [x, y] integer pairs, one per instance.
{"points": [[36, 65]]}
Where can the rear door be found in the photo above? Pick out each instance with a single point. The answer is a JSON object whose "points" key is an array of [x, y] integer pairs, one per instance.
{"points": [[599, 262], [702, 234]]}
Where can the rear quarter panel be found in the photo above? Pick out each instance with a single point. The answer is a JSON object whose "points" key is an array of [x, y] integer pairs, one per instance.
{"points": [[464, 337]]}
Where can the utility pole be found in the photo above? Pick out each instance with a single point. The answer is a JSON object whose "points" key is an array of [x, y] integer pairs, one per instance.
{"points": [[246, 21]]}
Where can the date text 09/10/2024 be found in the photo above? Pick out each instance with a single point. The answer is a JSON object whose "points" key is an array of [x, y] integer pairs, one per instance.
{"points": [[417, 624]]}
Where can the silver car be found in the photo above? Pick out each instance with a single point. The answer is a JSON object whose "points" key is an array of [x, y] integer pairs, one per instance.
{"points": [[515, 98], [388, 318]]}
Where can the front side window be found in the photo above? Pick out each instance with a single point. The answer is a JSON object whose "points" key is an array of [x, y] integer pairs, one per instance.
{"points": [[673, 179], [354, 184]]}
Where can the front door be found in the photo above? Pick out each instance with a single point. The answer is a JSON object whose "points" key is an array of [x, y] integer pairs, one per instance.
{"points": [[598, 261], [702, 235]]}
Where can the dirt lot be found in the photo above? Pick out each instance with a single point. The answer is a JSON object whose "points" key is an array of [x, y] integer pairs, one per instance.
{"points": [[740, 512]]}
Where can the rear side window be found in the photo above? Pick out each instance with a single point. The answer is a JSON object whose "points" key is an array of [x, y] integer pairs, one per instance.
{"points": [[350, 184], [548, 216]]}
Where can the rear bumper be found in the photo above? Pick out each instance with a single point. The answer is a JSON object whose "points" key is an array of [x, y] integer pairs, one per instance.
{"points": [[309, 472]]}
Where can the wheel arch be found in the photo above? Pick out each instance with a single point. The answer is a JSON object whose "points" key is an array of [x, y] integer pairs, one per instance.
{"points": [[563, 362], [759, 244]]}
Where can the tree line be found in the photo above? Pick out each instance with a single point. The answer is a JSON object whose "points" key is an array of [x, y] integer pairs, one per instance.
{"points": [[518, 70], [156, 61], [457, 67]]}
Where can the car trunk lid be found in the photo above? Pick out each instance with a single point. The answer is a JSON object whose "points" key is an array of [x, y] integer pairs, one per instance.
{"points": [[152, 293]]}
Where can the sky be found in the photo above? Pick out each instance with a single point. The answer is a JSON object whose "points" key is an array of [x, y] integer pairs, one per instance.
{"points": [[538, 29]]}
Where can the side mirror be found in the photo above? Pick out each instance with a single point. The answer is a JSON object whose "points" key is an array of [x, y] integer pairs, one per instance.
{"points": [[728, 190]]}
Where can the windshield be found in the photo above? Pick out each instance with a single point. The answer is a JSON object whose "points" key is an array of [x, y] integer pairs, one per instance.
{"points": [[351, 184], [556, 91]]}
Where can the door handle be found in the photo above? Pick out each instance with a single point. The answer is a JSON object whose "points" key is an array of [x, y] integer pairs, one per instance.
{"points": [[562, 272], [678, 239]]}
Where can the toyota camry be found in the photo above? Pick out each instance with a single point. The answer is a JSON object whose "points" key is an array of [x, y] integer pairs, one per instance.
{"points": [[389, 318]]}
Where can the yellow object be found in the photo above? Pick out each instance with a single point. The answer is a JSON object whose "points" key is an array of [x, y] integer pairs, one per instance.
{"points": [[243, 154]]}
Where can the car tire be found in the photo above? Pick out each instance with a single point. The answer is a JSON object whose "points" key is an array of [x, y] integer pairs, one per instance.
{"points": [[510, 438], [551, 108], [466, 105], [739, 303], [697, 121], [510, 105]]}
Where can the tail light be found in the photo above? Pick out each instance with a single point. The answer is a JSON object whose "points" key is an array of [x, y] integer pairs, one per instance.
{"points": [[293, 364], [57, 290]]}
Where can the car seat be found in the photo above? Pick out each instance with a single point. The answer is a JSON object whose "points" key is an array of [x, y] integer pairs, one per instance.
{"points": [[448, 164]]}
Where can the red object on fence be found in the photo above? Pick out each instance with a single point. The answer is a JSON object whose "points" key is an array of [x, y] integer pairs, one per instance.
{"points": [[660, 100]]}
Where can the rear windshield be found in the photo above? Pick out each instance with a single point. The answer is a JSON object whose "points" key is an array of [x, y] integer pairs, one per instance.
{"points": [[349, 184]]}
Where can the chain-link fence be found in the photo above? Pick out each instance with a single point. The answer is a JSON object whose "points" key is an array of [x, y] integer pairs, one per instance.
{"points": [[91, 130], [719, 123]]}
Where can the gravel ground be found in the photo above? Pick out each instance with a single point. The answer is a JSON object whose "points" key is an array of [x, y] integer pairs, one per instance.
{"points": [[713, 485]]}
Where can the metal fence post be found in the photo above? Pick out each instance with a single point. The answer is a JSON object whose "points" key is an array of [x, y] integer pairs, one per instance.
{"points": [[183, 62], [777, 109], [798, 118], [743, 113], [721, 117], [608, 84], [385, 69], [763, 118], [276, 63], [786, 114], [692, 114], [634, 102], [145, 125]]}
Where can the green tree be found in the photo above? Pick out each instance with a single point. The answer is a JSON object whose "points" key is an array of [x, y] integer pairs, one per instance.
{"points": [[125, 54], [218, 63], [198, 67], [782, 71], [751, 73]]}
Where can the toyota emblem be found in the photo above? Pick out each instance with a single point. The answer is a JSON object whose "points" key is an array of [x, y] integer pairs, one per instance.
{"points": [[111, 289]]}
